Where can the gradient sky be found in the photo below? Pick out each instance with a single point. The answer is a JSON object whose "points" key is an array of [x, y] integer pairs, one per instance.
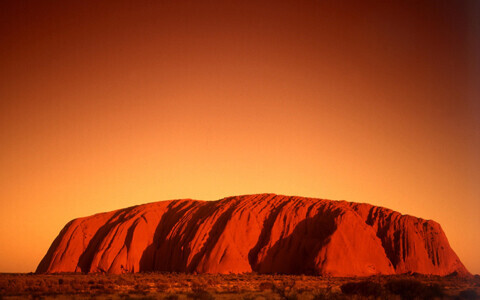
{"points": [[112, 104]]}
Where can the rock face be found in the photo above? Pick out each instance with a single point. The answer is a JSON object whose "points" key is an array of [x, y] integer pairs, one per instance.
{"points": [[263, 233]]}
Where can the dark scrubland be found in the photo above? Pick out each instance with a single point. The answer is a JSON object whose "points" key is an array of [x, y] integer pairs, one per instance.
{"points": [[236, 286]]}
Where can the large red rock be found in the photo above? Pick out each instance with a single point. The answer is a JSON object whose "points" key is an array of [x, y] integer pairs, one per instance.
{"points": [[264, 233]]}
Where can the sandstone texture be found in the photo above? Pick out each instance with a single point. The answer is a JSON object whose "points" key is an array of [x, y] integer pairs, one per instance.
{"points": [[264, 233]]}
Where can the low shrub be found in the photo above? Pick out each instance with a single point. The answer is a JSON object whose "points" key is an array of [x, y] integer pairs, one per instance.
{"points": [[162, 286], [327, 294], [363, 288], [469, 294], [199, 293], [285, 289], [411, 289], [266, 285]]}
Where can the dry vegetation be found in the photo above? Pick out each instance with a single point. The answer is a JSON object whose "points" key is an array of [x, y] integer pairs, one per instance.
{"points": [[241, 286]]}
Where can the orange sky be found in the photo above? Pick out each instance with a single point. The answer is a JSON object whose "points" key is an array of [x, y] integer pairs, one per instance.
{"points": [[108, 105]]}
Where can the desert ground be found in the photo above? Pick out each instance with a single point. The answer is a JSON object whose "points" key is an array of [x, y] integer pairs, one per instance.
{"points": [[235, 286]]}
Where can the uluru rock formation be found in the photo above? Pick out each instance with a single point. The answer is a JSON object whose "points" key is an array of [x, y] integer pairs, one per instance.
{"points": [[263, 233]]}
